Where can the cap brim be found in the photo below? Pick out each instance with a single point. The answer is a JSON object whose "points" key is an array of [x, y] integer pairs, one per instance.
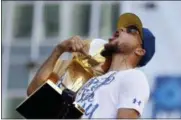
{"points": [[128, 19]]}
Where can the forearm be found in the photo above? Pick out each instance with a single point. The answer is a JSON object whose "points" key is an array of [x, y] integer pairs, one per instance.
{"points": [[127, 113], [45, 70]]}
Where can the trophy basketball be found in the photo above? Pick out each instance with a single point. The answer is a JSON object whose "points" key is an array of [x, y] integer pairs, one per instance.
{"points": [[55, 98]]}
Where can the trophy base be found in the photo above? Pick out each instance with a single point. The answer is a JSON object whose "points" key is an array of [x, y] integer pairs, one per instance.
{"points": [[69, 108], [69, 111], [48, 102]]}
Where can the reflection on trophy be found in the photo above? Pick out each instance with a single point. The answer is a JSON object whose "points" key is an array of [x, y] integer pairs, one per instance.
{"points": [[70, 75], [79, 71]]}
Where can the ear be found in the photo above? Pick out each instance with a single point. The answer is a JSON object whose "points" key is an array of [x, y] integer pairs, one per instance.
{"points": [[140, 51]]}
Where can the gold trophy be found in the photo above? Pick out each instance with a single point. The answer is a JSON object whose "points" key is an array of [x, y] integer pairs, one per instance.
{"points": [[53, 102], [80, 69]]}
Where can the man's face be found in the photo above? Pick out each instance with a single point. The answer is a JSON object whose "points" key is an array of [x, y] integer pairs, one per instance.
{"points": [[124, 41]]}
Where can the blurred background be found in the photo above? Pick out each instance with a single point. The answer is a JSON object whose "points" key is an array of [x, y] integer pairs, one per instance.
{"points": [[30, 30]]}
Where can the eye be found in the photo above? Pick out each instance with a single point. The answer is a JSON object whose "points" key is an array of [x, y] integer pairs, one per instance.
{"points": [[132, 30]]}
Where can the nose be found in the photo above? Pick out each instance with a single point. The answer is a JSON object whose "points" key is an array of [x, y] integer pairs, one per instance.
{"points": [[116, 34]]}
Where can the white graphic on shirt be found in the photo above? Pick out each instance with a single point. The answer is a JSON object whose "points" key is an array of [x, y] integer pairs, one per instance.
{"points": [[85, 97]]}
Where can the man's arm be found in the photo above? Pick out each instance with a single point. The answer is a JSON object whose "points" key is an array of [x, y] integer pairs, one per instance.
{"points": [[124, 113], [45, 70], [133, 95], [74, 44]]}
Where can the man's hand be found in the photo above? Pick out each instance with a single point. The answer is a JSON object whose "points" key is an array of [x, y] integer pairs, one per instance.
{"points": [[74, 44]]}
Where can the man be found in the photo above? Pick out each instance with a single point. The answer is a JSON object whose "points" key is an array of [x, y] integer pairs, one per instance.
{"points": [[123, 91], [118, 93]]}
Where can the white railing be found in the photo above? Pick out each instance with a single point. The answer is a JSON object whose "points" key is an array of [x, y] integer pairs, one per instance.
{"points": [[37, 33], [7, 37], [95, 19]]}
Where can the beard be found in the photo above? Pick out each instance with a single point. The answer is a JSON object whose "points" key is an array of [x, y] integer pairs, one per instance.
{"points": [[110, 49]]}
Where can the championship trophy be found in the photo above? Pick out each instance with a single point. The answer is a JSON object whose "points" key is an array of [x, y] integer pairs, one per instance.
{"points": [[53, 102]]}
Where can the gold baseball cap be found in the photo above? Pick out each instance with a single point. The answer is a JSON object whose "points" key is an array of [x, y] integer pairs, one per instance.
{"points": [[128, 19]]}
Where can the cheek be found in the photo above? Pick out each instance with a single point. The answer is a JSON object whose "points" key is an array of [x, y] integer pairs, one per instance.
{"points": [[114, 42], [127, 45], [124, 40], [129, 40]]}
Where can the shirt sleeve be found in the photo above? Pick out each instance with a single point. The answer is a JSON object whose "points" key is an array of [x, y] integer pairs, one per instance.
{"points": [[134, 92]]}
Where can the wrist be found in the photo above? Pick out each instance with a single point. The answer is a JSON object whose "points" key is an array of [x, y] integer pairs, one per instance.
{"points": [[59, 48]]}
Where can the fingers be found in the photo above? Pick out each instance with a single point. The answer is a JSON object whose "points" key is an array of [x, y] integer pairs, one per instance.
{"points": [[78, 45], [83, 51], [81, 47]]}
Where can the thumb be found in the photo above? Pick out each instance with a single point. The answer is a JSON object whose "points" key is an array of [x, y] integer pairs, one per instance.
{"points": [[85, 52]]}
